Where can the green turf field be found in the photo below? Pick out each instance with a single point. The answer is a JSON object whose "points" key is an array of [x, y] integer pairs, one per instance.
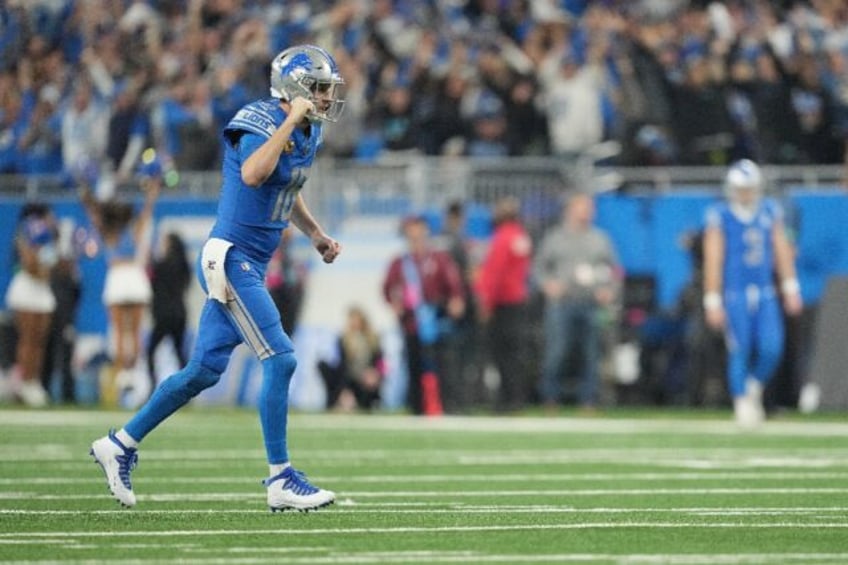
{"points": [[637, 489]]}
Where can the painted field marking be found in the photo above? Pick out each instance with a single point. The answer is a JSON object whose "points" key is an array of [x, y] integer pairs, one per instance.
{"points": [[423, 529], [171, 497], [485, 424], [741, 457], [764, 475], [447, 557], [213, 496], [466, 557], [351, 507]]}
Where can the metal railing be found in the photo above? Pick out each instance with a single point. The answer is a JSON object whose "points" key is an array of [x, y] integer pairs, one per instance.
{"points": [[431, 181]]}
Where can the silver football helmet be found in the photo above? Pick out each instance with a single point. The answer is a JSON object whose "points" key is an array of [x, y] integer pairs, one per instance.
{"points": [[743, 184], [310, 72]]}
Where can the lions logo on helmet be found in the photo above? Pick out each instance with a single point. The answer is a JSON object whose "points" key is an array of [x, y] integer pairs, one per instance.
{"points": [[310, 72]]}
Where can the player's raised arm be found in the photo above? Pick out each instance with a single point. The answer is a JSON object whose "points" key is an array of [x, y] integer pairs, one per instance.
{"points": [[152, 186], [91, 207]]}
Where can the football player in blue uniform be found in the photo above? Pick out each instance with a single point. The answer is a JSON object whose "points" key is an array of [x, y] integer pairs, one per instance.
{"points": [[744, 244], [269, 147]]}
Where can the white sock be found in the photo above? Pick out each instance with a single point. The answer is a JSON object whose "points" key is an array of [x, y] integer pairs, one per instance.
{"points": [[754, 389], [126, 439], [277, 469]]}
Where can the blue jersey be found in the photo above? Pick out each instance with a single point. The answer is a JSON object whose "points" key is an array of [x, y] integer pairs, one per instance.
{"points": [[124, 249], [748, 249], [253, 218]]}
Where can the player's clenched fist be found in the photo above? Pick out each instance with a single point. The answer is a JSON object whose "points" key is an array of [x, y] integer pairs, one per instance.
{"points": [[301, 107], [328, 247]]}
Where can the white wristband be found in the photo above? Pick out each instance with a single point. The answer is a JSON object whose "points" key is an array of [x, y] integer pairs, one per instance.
{"points": [[790, 286], [712, 301]]}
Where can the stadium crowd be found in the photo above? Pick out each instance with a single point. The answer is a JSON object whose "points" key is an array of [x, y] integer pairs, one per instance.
{"points": [[85, 85]]}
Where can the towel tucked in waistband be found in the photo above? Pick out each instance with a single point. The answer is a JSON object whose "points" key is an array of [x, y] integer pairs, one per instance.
{"points": [[212, 264]]}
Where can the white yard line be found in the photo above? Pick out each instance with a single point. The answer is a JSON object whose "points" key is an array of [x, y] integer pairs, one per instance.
{"points": [[485, 424], [739, 458], [422, 529], [213, 496], [351, 507], [460, 557], [450, 494], [624, 475], [547, 425], [605, 492], [475, 557]]}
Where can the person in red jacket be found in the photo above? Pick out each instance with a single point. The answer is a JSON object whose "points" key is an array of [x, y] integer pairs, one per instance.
{"points": [[502, 288], [424, 288]]}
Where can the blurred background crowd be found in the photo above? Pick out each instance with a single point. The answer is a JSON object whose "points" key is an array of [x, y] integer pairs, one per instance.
{"points": [[86, 84]]}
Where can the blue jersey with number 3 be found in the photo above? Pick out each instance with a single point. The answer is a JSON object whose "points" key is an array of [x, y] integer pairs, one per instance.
{"points": [[253, 217], [748, 249]]}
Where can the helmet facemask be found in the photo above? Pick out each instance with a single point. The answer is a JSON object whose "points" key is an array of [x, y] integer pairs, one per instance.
{"points": [[328, 96]]}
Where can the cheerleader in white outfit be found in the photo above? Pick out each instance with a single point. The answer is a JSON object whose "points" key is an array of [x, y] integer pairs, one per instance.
{"points": [[31, 301], [127, 289]]}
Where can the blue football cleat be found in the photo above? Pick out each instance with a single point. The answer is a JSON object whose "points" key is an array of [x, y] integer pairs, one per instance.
{"points": [[290, 489]]}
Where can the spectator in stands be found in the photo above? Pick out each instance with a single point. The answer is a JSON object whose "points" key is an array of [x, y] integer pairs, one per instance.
{"points": [[124, 237], [632, 108], [229, 93], [350, 129], [170, 279], [655, 62], [354, 381], [13, 124], [410, 69], [526, 127], [836, 80], [31, 300], [424, 288], [758, 73], [488, 128], [700, 118], [182, 123], [444, 128], [40, 146], [85, 129], [576, 268], [395, 118], [573, 97], [502, 289], [129, 133], [814, 111], [504, 74]]}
